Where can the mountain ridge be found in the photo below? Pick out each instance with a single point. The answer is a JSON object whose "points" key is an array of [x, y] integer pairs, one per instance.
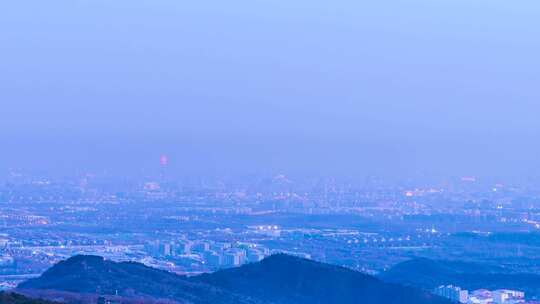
{"points": [[279, 279]]}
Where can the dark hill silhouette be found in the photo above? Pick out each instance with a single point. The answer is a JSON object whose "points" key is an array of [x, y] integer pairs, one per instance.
{"points": [[287, 279], [93, 274], [277, 279], [428, 274]]}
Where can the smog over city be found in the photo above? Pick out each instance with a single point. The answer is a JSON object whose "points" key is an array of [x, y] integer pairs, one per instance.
{"points": [[269, 152]]}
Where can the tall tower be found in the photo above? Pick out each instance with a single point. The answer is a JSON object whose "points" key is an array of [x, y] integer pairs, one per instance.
{"points": [[163, 163], [163, 160]]}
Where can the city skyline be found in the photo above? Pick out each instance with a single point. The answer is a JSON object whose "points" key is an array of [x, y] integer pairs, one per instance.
{"points": [[269, 152]]}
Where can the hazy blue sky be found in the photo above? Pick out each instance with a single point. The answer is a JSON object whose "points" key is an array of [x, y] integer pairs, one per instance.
{"points": [[303, 86]]}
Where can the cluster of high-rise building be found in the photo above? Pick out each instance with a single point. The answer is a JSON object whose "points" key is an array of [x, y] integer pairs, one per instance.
{"points": [[480, 296], [213, 254], [454, 293]]}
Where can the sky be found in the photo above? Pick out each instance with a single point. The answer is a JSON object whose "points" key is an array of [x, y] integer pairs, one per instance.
{"points": [[344, 87]]}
